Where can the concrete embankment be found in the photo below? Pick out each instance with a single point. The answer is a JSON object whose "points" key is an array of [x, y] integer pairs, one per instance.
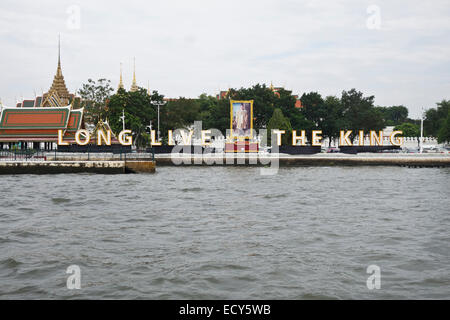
{"points": [[309, 160], [138, 166], [53, 167], [145, 165]]}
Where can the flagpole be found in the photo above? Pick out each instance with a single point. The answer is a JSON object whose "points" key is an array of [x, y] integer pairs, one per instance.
{"points": [[421, 133]]}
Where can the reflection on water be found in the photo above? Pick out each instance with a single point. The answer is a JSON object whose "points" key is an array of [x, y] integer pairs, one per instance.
{"points": [[227, 232]]}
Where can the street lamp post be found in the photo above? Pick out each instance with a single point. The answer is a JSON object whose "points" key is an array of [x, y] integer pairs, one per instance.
{"points": [[158, 103], [421, 131], [421, 135]]}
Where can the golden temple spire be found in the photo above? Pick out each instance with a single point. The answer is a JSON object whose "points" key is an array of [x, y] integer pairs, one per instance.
{"points": [[59, 53], [121, 81], [59, 85], [134, 70], [134, 86], [148, 88]]}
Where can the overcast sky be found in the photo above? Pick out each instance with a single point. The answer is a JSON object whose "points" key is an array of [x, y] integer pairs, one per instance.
{"points": [[398, 51]]}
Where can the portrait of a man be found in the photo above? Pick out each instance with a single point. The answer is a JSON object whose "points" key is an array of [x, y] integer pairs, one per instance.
{"points": [[241, 118]]}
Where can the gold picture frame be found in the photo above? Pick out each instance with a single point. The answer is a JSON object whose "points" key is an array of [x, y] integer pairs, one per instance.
{"points": [[241, 137]]}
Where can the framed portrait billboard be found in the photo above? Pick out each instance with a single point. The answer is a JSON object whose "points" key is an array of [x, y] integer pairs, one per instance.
{"points": [[241, 115]]}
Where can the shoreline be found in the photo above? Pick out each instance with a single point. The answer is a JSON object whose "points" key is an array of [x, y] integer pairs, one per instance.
{"points": [[143, 163]]}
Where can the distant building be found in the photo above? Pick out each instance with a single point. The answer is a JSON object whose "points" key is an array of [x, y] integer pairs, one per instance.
{"points": [[298, 102], [222, 94]]}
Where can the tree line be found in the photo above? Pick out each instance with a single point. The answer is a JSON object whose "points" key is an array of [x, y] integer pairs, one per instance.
{"points": [[271, 110]]}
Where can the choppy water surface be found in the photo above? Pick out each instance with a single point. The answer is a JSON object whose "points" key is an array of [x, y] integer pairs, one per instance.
{"points": [[227, 233]]}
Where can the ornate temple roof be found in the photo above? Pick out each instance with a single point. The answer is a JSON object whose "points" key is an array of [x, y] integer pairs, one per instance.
{"points": [[59, 85], [75, 120], [38, 124], [58, 94], [102, 125], [43, 118]]}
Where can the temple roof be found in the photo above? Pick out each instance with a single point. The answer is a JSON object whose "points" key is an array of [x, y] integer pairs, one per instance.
{"points": [[42, 118], [39, 124], [59, 85], [58, 94], [104, 126], [28, 103], [75, 120]]}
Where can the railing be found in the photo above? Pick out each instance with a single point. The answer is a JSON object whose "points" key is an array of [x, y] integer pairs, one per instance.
{"points": [[22, 155], [46, 155]]}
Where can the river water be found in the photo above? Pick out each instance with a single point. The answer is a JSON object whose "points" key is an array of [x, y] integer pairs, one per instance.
{"points": [[227, 233]]}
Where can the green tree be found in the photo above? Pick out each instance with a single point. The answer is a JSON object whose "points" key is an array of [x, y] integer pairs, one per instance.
{"points": [[207, 105], [313, 108], [139, 112], [444, 131], [286, 102], [178, 114], [435, 118], [279, 121], [214, 113], [323, 114], [394, 115], [408, 129], [359, 112], [314, 111], [398, 114], [95, 96], [333, 120]]}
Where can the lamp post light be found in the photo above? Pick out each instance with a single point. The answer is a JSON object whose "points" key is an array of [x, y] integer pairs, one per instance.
{"points": [[158, 103]]}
